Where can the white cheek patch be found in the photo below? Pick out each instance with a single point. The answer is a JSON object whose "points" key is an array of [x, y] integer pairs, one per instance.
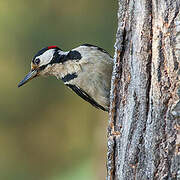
{"points": [[46, 57]]}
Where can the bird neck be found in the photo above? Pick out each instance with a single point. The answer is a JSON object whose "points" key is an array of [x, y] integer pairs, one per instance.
{"points": [[64, 63], [62, 70]]}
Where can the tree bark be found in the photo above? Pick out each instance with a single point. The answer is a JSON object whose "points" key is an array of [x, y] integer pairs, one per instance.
{"points": [[144, 125]]}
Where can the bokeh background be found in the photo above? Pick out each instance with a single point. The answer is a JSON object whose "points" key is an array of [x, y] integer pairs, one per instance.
{"points": [[46, 131]]}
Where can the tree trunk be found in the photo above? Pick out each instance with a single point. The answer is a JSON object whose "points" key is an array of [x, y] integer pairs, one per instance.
{"points": [[143, 139]]}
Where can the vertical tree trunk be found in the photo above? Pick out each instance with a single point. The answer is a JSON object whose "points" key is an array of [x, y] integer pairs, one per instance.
{"points": [[143, 139]]}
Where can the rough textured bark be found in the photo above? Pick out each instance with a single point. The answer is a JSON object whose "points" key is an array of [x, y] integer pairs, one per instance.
{"points": [[143, 138]]}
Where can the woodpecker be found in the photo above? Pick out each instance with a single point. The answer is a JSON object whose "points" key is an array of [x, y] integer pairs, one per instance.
{"points": [[86, 70]]}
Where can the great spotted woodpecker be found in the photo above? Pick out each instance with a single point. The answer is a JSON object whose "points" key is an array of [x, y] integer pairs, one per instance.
{"points": [[86, 70]]}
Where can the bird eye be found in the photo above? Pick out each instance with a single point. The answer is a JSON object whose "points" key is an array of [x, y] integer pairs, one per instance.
{"points": [[37, 61]]}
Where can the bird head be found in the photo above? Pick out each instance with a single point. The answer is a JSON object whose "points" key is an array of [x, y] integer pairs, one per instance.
{"points": [[41, 61]]}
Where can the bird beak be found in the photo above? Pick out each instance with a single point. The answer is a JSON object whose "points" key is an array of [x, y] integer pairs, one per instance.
{"points": [[32, 74]]}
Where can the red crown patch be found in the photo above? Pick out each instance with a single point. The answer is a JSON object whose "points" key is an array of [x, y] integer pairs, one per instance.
{"points": [[51, 47]]}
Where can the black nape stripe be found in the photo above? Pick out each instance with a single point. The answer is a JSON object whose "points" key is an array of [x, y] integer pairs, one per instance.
{"points": [[69, 77], [74, 55], [99, 48], [61, 58], [56, 58], [80, 92]]}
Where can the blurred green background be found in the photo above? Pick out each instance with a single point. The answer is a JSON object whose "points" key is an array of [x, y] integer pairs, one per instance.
{"points": [[46, 131]]}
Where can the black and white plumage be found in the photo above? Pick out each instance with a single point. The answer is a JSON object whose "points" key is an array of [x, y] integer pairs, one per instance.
{"points": [[86, 70]]}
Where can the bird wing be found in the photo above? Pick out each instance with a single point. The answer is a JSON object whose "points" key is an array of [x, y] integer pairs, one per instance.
{"points": [[80, 92]]}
